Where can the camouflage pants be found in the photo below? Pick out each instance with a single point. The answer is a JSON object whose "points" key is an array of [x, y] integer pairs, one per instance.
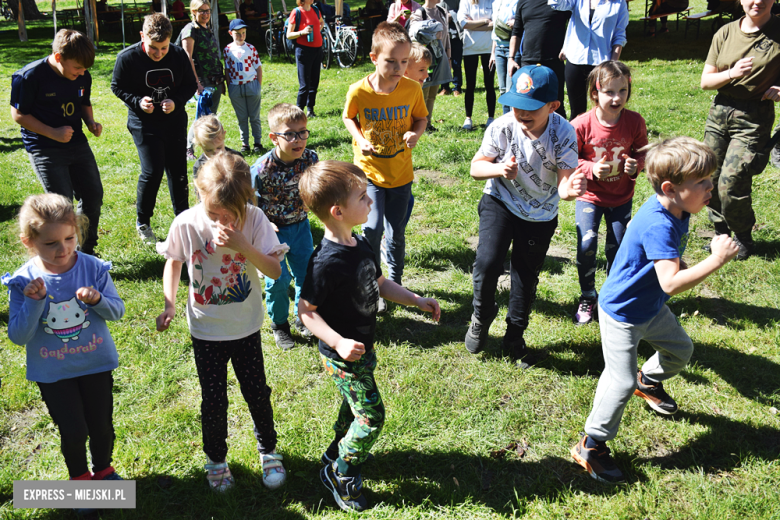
{"points": [[362, 412], [738, 132]]}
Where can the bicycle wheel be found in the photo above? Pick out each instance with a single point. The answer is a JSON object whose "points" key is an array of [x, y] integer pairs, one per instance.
{"points": [[348, 55], [269, 42], [327, 49]]}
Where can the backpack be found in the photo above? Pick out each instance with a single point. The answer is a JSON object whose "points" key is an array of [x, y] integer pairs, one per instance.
{"points": [[297, 12]]}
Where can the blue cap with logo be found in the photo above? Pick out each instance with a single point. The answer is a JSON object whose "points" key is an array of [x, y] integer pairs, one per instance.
{"points": [[237, 24], [532, 87]]}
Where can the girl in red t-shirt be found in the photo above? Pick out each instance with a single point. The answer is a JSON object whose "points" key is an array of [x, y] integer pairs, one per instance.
{"points": [[609, 139], [305, 28]]}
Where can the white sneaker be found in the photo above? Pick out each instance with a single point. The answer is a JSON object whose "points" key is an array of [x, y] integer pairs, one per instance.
{"points": [[146, 233], [489, 122], [468, 125], [274, 474]]}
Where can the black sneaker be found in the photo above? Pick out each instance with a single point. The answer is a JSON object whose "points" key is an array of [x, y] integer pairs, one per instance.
{"points": [[310, 113], [282, 335], [258, 149], [746, 245], [523, 357], [597, 462], [245, 149], [477, 335], [301, 328], [655, 396], [348, 491]]}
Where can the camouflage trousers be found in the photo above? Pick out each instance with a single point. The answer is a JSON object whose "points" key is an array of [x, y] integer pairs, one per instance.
{"points": [[737, 131], [362, 412]]}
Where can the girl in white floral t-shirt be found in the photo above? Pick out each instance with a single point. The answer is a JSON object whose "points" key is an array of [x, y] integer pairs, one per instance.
{"points": [[225, 240]]}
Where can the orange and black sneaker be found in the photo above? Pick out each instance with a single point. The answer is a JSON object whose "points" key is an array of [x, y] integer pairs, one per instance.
{"points": [[597, 462], [656, 396]]}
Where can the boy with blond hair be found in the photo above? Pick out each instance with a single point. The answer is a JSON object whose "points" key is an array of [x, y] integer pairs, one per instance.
{"points": [[385, 114], [275, 178], [339, 304], [50, 98], [647, 271]]}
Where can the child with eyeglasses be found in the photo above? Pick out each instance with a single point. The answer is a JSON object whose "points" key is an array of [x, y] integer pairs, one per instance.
{"points": [[275, 178]]}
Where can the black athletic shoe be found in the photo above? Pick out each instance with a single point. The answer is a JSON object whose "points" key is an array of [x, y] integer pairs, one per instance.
{"points": [[283, 336], [597, 462], [348, 491], [655, 396], [746, 245]]}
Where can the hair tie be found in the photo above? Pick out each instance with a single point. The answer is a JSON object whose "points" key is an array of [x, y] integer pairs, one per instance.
{"points": [[598, 85]]}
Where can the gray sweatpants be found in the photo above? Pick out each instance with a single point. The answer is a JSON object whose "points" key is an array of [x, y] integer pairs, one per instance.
{"points": [[246, 102], [617, 383]]}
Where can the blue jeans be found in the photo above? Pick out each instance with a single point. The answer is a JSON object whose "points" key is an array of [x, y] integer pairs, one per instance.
{"points": [[588, 218], [388, 215], [309, 62], [73, 173], [298, 237], [502, 62], [216, 96]]}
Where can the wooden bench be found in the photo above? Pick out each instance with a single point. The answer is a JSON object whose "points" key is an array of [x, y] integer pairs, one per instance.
{"points": [[725, 9], [678, 16]]}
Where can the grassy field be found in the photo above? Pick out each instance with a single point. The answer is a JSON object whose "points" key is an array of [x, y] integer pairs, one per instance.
{"points": [[450, 414]]}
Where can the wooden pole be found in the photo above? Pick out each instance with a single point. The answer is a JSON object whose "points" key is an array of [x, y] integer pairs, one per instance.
{"points": [[54, 15], [93, 7], [20, 23]]}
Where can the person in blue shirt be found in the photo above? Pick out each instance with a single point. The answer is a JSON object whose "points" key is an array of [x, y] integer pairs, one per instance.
{"points": [[596, 33], [60, 302], [647, 271], [50, 98]]}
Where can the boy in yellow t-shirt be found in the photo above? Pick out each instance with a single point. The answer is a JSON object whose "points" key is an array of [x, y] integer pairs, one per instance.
{"points": [[386, 115]]}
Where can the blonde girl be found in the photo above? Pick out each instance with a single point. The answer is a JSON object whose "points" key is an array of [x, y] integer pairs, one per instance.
{"points": [[60, 302], [209, 134], [224, 240]]}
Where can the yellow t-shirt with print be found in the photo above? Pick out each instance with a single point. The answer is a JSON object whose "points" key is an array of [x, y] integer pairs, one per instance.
{"points": [[384, 119]]}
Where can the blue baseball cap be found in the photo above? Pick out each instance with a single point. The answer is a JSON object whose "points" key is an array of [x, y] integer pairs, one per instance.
{"points": [[532, 87], [237, 24]]}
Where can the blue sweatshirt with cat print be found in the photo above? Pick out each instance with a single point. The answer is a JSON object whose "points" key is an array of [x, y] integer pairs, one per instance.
{"points": [[64, 336]]}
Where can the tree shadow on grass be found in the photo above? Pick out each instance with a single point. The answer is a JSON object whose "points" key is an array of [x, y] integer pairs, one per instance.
{"points": [[769, 250], [462, 257], [9, 211], [725, 446], [752, 375], [727, 312], [149, 268], [12, 144]]}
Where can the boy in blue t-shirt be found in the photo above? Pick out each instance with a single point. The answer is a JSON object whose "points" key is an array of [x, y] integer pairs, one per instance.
{"points": [[50, 98], [647, 271]]}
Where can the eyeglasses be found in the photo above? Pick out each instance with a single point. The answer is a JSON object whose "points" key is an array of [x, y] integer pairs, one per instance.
{"points": [[204, 11], [291, 136]]}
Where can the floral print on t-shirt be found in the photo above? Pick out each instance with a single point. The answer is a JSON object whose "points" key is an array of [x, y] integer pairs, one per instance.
{"points": [[232, 286]]}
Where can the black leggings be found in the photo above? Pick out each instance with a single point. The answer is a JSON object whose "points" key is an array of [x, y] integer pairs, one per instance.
{"points": [[470, 70], [82, 407], [577, 87], [211, 359]]}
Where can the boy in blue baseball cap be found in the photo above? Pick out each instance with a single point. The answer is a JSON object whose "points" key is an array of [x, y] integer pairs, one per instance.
{"points": [[245, 77], [528, 158]]}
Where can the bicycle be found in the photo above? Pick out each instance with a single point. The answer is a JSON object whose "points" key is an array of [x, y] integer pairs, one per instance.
{"points": [[345, 45], [276, 38], [5, 10]]}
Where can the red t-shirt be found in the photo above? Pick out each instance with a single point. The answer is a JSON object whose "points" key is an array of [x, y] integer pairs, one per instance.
{"points": [[595, 140], [309, 17]]}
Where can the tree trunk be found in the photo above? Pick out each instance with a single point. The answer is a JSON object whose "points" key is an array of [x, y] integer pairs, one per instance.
{"points": [[31, 11]]}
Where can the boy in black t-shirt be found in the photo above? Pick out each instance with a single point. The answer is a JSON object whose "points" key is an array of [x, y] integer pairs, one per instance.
{"points": [[155, 80], [338, 305], [50, 98]]}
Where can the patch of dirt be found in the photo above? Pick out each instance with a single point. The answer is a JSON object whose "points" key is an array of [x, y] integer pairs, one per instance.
{"points": [[705, 233], [473, 242], [560, 252], [440, 178]]}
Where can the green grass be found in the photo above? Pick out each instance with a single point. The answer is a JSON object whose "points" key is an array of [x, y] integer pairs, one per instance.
{"points": [[448, 411]]}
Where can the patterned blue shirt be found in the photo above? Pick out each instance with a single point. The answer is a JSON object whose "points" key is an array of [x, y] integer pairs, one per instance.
{"points": [[276, 186]]}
